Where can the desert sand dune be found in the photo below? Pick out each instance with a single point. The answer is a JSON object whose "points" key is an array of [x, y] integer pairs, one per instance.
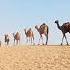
{"points": [[35, 58]]}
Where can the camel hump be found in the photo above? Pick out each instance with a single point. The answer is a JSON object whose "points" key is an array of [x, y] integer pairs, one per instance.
{"points": [[66, 24], [17, 34], [43, 26], [29, 31]]}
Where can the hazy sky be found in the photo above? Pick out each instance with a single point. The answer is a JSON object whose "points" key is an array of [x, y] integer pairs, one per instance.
{"points": [[19, 14]]}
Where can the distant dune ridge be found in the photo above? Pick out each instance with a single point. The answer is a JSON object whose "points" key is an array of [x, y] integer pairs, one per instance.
{"points": [[35, 58]]}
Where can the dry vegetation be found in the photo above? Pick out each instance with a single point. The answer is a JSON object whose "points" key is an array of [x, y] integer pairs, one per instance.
{"points": [[35, 58]]}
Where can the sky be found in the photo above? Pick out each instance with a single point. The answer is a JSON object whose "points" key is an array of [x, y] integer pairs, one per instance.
{"points": [[15, 15]]}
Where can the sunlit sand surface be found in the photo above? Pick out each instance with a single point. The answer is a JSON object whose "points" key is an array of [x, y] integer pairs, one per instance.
{"points": [[35, 58]]}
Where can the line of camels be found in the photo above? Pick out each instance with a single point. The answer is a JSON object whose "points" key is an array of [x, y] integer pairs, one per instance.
{"points": [[43, 30]]}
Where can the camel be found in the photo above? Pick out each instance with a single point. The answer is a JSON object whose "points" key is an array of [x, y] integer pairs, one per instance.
{"points": [[6, 39], [29, 35], [64, 28], [43, 30], [16, 37], [0, 43]]}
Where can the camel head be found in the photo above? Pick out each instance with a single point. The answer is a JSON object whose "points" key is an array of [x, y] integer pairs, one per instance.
{"points": [[43, 24], [6, 35], [13, 34], [56, 21], [36, 27], [24, 30]]}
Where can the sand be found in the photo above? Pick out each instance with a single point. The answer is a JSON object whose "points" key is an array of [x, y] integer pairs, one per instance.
{"points": [[35, 58]]}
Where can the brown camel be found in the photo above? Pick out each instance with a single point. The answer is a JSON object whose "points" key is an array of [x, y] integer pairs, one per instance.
{"points": [[16, 37], [43, 29], [64, 28], [29, 35], [6, 39]]}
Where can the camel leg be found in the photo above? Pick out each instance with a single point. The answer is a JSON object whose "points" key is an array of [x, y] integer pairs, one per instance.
{"points": [[39, 41], [46, 38], [66, 40], [7, 41], [41, 37], [26, 40], [14, 41], [42, 40], [31, 40], [62, 39], [0, 43], [19, 41]]}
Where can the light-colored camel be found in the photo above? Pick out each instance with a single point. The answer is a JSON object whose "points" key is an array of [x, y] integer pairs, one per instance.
{"points": [[16, 37], [7, 39], [43, 29], [64, 28], [29, 35]]}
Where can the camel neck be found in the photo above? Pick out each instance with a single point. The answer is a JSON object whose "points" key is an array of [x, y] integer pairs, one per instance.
{"points": [[58, 26], [25, 32], [37, 29]]}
